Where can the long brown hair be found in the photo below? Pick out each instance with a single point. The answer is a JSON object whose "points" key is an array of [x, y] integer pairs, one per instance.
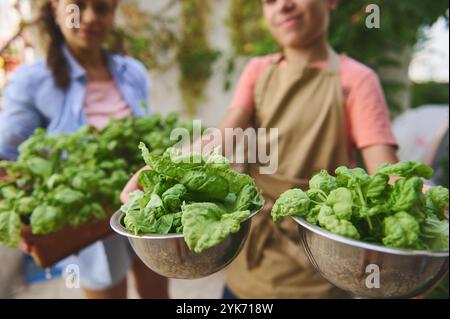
{"points": [[56, 60]]}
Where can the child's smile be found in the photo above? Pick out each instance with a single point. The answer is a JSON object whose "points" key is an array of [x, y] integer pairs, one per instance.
{"points": [[291, 22]]}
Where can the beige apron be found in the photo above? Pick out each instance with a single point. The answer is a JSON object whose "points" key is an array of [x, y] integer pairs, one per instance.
{"points": [[306, 105]]}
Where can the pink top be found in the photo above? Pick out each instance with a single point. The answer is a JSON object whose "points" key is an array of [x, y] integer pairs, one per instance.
{"points": [[367, 114], [103, 100]]}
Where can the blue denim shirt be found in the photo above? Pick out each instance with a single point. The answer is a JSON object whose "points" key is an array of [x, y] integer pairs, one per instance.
{"points": [[32, 99]]}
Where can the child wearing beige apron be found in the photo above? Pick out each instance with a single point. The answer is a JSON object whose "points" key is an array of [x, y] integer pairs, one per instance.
{"points": [[272, 263], [318, 126], [307, 105]]}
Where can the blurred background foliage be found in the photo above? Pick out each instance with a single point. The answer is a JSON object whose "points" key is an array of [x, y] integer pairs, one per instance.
{"points": [[177, 34]]}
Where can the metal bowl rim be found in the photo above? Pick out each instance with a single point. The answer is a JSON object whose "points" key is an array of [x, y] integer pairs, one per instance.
{"points": [[360, 244], [118, 228]]}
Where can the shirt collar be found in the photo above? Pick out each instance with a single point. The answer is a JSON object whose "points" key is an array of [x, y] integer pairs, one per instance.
{"points": [[75, 69], [115, 64]]}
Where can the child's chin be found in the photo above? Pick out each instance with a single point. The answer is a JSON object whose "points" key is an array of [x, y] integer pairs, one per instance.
{"points": [[88, 43], [295, 42]]}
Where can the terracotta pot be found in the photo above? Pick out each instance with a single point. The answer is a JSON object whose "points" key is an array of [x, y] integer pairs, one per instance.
{"points": [[47, 250]]}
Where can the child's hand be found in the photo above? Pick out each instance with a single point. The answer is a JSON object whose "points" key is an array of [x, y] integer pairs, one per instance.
{"points": [[132, 185], [25, 246], [26, 241]]}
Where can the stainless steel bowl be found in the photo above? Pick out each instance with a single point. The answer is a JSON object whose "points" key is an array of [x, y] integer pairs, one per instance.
{"points": [[371, 271], [169, 255]]}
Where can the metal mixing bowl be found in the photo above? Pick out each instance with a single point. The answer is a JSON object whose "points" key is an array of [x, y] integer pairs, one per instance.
{"points": [[371, 271], [169, 255]]}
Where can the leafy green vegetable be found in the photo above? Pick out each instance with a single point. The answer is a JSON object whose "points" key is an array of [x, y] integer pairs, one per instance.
{"points": [[406, 169], [137, 219], [341, 201], [406, 194], [330, 221], [72, 178], [206, 224], [359, 206], [434, 233], [173, 197], [197, 177], [401, 230], [247, 197], [45, 219], [355, 177], [9, 228], [198, 195], [377, 186], [323, 181], [436, 200], [293, 202]]}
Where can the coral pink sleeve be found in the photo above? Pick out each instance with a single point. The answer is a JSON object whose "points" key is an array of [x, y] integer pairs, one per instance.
{"points": [[368, 112], [366, 108]]}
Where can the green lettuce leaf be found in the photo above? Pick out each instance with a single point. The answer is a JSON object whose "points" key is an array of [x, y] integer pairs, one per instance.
{"points": [[401, 230], [293, 202], [406, 169], [46, 219], [9, 229], [206, 225]]}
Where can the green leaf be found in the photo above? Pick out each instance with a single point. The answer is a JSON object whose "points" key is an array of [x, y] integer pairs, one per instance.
{"points": [[323, 181], [401, 230], [46, 219], [313, 214], [11, 192], [26, 205], [248, 198], [173, 197], [293, 202], [206, 225], [406, 169], [406, 194], [207, 186], [377, 186], [437, 199], [9, 229], [165, 224], [40, 167], [434, 233], [68, 196], [328, 220], [136, 219], [148, 179], [352, 178], [341, 200], [185, 169]]}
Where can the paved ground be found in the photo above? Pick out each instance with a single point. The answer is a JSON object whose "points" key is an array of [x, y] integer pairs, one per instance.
{"points": [[210, 287], [12, 283]]}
